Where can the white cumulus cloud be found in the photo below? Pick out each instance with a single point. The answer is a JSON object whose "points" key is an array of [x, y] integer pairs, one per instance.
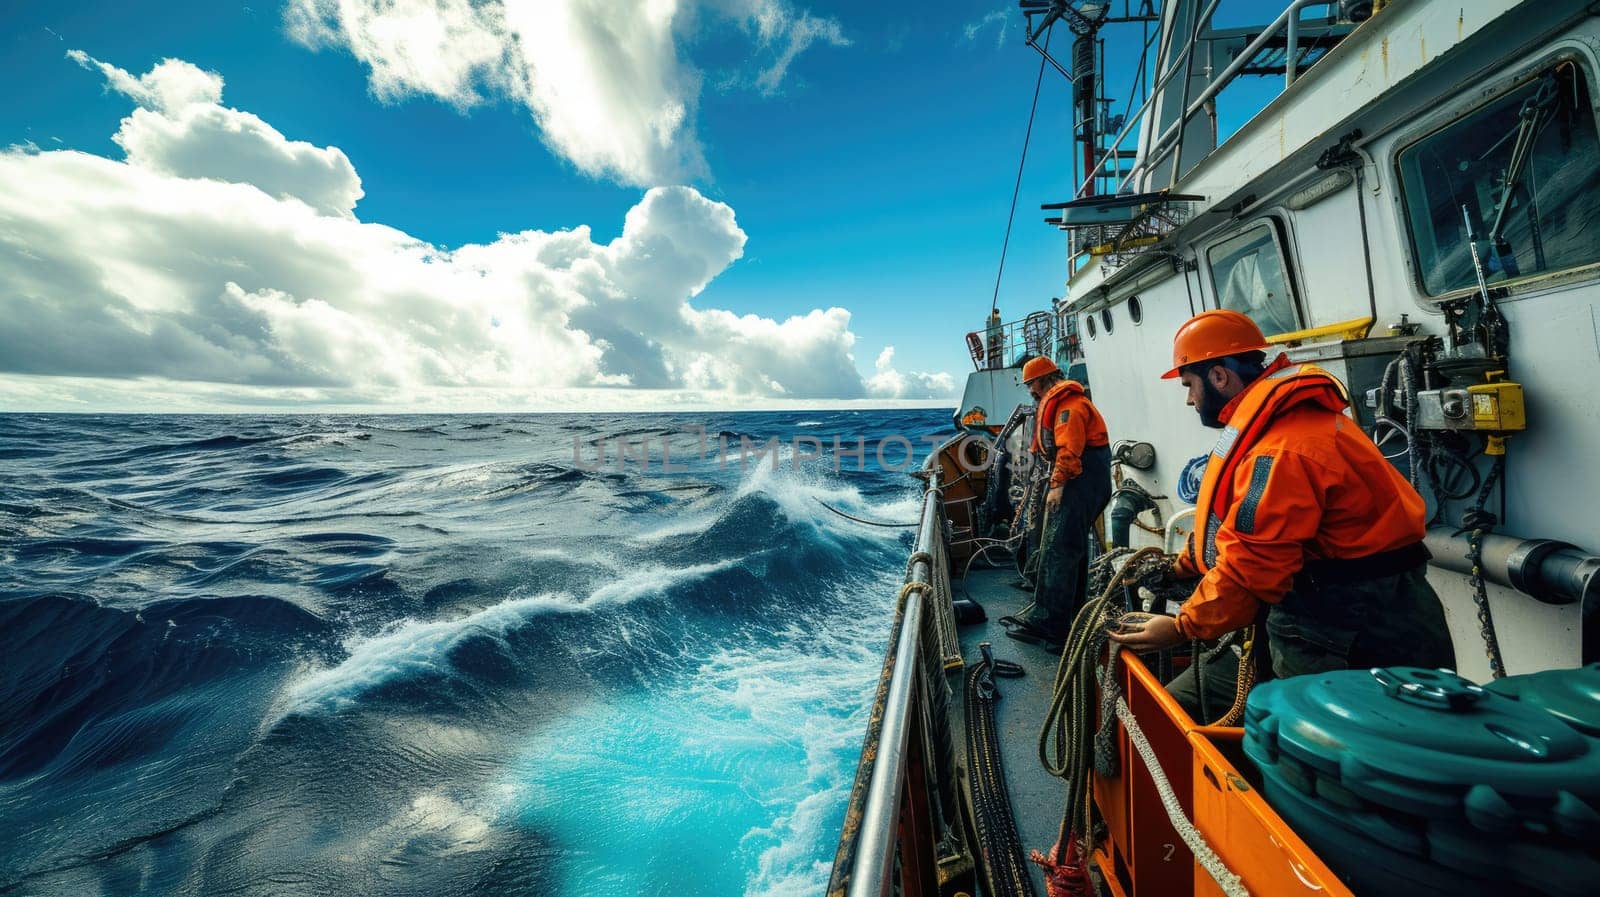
{"points": [[185, 287], [182, 128], [888, 383], [608, 86]]}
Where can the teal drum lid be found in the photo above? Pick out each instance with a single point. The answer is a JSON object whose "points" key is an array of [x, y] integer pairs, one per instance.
{"points": [[1427, 743], [1572, 695]]}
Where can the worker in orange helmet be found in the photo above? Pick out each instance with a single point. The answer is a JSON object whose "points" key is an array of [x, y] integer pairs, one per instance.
{"points": [[1069, 436], [1300, 519]]}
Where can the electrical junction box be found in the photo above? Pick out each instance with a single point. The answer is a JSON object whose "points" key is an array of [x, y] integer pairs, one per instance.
{"points": [[1494, 407], [1497, 406]]}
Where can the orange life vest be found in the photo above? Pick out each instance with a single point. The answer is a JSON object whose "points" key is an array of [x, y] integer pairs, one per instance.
{"points": [[1283, 384]]}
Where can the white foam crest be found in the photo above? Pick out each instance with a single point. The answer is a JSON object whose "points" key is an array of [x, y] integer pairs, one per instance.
{"points": [[800, 490], [813, 690], [767, 729], [466, 478], [652, 580], [679, 525], [411, 647], [311, 442]]}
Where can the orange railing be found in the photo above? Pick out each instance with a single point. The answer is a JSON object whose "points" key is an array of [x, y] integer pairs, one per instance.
{"points": [[1143, 854]]}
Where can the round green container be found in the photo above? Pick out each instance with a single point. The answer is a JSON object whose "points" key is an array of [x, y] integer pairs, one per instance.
{"points": [[1418, 782], [1572, 695]]}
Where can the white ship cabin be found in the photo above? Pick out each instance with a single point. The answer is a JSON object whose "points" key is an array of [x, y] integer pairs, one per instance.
{"points": [[1338, 217]]}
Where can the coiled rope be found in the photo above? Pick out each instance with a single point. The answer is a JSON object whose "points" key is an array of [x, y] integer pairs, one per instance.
{"points": [[992, 812], [1064, 749]]}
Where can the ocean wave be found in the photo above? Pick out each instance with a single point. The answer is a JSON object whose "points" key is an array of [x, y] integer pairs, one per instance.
{"points": [[222, 443], [811, 689], [746, 761], [540, 474], [76, 668], [415, 649], [308, 476], [446, 653], [408, 648]]}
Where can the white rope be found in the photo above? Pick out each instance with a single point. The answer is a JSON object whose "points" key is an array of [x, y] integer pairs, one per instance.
{"points": [[1231, 884]]}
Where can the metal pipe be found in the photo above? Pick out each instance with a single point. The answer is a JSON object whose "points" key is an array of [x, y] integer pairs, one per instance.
{"points": [[1172, 528], [1168, 29], [1127, 503], [1550, 571], [873, 872], [1155, 92], [1159, 148], [1288, 58], [1051, 59]]}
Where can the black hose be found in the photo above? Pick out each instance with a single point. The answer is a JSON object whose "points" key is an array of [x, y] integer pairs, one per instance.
{"points": [[867, 522], [999, 843]]}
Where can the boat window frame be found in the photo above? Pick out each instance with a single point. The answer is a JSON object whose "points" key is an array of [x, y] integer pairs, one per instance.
{"points": [[1461, 104], [1279, 230]]}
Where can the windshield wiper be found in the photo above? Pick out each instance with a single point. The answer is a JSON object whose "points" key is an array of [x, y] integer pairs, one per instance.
{"points": [[1536, 112]]}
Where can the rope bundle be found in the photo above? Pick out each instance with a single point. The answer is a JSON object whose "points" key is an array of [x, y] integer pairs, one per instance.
{"points": [[991, 802], [1065, 750]]}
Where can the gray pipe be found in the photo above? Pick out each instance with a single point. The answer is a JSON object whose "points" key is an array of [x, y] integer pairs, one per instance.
{"points": [[1549, 571], [1126, 504]]}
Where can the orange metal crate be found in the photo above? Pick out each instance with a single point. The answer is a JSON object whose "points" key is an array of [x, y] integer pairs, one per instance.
{"points": [[1143, 855], [1248, 835]]}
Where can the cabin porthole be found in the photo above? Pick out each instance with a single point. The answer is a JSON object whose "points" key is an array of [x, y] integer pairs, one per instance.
{"points": [[1089, 319], [1105, 320], [1135, 310]]}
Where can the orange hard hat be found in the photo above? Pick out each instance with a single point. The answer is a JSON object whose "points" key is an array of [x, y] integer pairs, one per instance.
{"points": [[1038, 366], [1214, 334]]}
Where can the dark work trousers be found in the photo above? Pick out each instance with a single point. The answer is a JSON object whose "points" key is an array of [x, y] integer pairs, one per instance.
{"points": [[1387, 621], [1064, 545]]}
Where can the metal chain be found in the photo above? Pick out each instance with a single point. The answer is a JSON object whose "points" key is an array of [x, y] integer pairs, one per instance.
{"points": [[1480, 521]]}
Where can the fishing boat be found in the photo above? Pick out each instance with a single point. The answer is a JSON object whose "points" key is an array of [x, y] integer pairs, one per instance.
{"points": [[1413, 209]]}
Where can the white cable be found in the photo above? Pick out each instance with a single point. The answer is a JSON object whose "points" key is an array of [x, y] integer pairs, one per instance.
{"points": [[1231, 884]]}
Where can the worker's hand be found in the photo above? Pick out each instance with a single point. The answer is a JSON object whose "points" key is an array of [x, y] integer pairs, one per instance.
{"points": [[1154, 633], [1052, 502]]}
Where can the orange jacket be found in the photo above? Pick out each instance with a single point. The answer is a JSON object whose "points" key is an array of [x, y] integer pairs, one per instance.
{"points": [[1292, 478], [1073, 423]]}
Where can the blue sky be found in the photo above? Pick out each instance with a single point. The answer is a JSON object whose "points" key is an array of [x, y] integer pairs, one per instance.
{"points": [[866, 151]]}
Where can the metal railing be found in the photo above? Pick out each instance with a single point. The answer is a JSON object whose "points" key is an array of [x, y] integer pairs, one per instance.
{"points": [[1003, 345], [1153, 151], [1170, 140], [902, 831]]}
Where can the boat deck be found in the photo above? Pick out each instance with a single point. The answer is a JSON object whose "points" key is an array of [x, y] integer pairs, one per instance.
{"points": [[1037, 797]]}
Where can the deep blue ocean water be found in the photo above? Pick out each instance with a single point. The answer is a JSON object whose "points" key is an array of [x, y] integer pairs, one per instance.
{"points": [[436, 655]]}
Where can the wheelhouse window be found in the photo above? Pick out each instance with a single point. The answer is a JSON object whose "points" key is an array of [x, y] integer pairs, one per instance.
{"points": [[1250, 276], [1523, 172]]}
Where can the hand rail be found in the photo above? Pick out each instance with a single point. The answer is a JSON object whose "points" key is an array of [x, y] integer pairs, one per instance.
{"points": [[1137, 116], [902, 804], [1002, 345], [1289, 21]]}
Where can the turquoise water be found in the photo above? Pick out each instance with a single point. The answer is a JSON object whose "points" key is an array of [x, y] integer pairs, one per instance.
{"points": [[435, 655]]}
